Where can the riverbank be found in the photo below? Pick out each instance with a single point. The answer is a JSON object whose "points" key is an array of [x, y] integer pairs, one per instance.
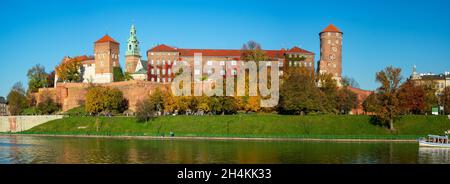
{"points": [[216, 138], [259, 126]]}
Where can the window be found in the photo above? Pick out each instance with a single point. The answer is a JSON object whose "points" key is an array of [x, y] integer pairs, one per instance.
{"points": [[152, 55], [209, 63], [157, 62], [197, 72], [234, 72], [290, 63], [152, 71], [152, 79], [196, 62], [222, 63], [163, 79], [151, 61], [168, 62], [233, 62], [157, 79], [163, 72], [169, 79], [168, 71], [280, 63], [222, 72], [175, 62], [310, 64], [157, 71], [209, 72]]}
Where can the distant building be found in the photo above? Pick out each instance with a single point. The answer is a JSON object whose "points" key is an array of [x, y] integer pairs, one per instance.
{"points": [[3, 106], [440, 81]]}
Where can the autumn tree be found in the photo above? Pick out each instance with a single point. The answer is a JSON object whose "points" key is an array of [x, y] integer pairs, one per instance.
{"points": [[445, 100], [37, 78], [370, 104], [104, 99], [411, 98], [299, 93], [387, 95], [430, 97], [346, 101], [17, 100], [329, 90], [69, 70], [349, 81]]}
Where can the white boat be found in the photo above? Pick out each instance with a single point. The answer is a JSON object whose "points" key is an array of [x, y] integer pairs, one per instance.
{"points": [[435, 141]]}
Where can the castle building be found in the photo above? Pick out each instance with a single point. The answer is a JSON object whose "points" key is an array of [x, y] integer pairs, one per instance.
{"points": [[331, 52], [439, 81], [162, 58], [3, 106]]}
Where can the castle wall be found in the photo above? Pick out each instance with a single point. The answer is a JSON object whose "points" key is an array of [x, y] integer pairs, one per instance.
{"points": [[71, 95]]}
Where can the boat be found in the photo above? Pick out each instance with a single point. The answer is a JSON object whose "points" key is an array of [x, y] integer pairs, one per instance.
{"points": [[435, 141]]}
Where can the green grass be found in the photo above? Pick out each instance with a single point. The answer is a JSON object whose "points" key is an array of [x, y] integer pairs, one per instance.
{"points": [[256, 125]]}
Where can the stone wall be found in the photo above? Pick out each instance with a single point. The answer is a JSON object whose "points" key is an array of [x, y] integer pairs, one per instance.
{"points": [[22, 123], [71, 95]]}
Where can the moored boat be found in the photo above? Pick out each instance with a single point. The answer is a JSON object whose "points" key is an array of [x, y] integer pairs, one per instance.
{"points": [[435, 141]]}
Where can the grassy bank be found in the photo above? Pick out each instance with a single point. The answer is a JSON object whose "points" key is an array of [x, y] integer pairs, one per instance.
{"points": [[267, 126]]}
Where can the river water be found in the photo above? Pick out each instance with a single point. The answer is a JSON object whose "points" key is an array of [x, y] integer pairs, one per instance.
{"points": [[33, 149]]}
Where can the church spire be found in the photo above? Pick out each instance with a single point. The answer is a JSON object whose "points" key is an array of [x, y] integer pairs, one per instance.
{"points": [[133, 43]]}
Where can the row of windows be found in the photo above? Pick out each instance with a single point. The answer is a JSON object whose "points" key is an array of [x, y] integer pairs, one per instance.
{"points": [[169, 62], [209, 72], [300, 55], [158, 79], [300, 64], [102, 56], [158, 71]]}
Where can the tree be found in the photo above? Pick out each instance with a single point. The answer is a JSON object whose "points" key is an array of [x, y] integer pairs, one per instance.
{"points": [[299, 93], [101, 99], [118, 74], [370, 104], [69, 70], [17, 101], [445, 100], [127, 76], [430, 98], [47, 104], [387, 95], [37, 78], [411, 98], [145, 110], [346, 101], [251, 51], [51, 79], [329, 89], [349, 81]]}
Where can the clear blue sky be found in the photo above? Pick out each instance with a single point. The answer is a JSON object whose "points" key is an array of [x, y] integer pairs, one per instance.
{"points": [[376, 33]]}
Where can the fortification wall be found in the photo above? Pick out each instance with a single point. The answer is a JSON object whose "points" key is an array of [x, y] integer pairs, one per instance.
{"points": [[71, 95]]}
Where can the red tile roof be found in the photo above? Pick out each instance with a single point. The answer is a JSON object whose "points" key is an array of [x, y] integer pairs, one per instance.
{"points": [[106, 38], [222, 52], [331, 28], [299, 50], [163, 48]]}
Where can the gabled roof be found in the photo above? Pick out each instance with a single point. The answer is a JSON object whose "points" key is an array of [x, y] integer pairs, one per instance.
{"points": [[332, 28], [298, 50], [106, 38], [163, 48]]}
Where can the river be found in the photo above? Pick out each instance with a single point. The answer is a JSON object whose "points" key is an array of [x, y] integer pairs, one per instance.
{"points": [[38, 149]]}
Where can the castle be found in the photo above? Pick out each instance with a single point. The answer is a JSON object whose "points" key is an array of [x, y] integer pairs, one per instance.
{"points": [[156, 72], [161, 59]]}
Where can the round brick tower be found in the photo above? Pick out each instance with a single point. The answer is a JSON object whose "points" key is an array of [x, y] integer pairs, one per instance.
{"points": [[331, 52]]}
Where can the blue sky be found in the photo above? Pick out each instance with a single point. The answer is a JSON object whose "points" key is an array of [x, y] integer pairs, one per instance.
{"points": [[376, 33]]}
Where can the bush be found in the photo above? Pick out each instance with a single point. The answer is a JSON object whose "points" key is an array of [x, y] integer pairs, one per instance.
{"points": [[146, 110], [31, 111], [47, 106], [104, 99]]}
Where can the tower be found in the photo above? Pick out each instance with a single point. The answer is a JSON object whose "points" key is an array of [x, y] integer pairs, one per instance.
{"points": [[106, 51], [331, 52], [132, 55]]}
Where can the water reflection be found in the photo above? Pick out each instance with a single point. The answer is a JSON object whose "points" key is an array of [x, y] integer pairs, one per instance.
{"points": [[434, 155], [28, 149]]}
